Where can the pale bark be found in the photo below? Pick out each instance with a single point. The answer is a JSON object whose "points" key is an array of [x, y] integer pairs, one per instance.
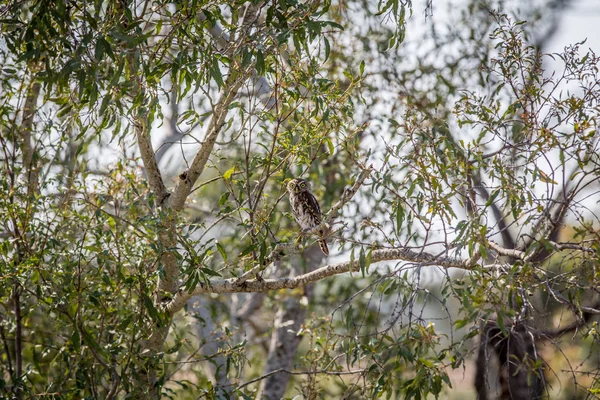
{"points": [[172, 204], [231, 285], [31, 178], [27, 146], [285, 338], [167, 234], [190, 176], [153, 174], [215, 369], [167, 283]]}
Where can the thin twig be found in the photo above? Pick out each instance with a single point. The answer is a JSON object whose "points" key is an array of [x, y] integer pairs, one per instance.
{"points": [[285, 371]]}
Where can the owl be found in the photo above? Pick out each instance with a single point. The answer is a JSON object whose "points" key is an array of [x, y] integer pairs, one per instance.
{"points": [[305, 208]]}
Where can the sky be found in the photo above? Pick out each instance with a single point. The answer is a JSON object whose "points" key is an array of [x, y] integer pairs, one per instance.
{"points": [[577, 23]]}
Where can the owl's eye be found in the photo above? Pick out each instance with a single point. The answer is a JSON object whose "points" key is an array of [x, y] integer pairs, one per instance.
{"points": [[303, 185]]}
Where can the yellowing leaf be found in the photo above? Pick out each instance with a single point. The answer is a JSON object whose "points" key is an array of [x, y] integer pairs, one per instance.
{"points": [[545, 178], [228, 173]]}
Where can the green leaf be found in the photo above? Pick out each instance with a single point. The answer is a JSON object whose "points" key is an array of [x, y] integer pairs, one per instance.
{"points": [[263, 252], [175, 348], [104, 104], [493, 196], [209, 272], [89, 340], [332, 24], [76, 340], [125, 323], [399, 217], [64, 110], [314, 29], [362, 261], [222, 251], [260, 63], [247, 250], [246, 57], [327, 48], [99, 51], [387, 6], [223, 199], [215, 72], [192, 281], [152, 311], [330, 146]]}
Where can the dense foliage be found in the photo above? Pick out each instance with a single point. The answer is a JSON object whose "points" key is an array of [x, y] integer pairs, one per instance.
{"points": [[146, 244]]}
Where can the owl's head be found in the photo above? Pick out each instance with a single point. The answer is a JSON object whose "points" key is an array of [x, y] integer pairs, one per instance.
{"points": [[298, 185]]}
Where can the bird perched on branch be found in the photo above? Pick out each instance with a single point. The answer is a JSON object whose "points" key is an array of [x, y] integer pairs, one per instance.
{"points": [[306, 210]]}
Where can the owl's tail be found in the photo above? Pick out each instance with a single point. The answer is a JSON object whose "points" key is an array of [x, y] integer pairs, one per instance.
{"points": [[323, 246]]}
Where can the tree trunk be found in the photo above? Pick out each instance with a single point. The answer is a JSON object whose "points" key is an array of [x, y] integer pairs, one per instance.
{"points": [[205, 327], [516, 353], [285, 339]]}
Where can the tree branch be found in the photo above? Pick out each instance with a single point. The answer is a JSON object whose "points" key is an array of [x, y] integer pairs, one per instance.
{"points": [[261, 85], [231, 285], [147, 153], [574, 326], [348, 194], [509, 242], [278, 250], [551, 230], [507, 252], [29, 110], [187, 179], [548, 224], [285, 371]]}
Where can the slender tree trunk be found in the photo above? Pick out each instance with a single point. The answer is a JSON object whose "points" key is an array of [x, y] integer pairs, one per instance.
{"points": [[285, 339], [27, 146], [30, 174], [205, 328], [18, 340]]}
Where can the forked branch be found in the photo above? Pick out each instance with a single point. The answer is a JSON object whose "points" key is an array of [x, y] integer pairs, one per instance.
{"points": [[187, 179]]}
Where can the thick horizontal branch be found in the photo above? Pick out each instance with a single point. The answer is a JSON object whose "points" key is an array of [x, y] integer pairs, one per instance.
{"points": [[522, 255], [233, 285], [507, 252], [278, 251]]}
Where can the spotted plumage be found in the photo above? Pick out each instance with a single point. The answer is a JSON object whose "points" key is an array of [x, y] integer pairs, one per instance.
{"points": [[306, 210]]}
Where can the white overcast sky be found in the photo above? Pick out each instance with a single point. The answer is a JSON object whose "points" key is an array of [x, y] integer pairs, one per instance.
{"points": [[578, 22]]}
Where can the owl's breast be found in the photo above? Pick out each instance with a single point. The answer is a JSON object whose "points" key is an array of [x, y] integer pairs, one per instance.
{"points": [[305, 212]]}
